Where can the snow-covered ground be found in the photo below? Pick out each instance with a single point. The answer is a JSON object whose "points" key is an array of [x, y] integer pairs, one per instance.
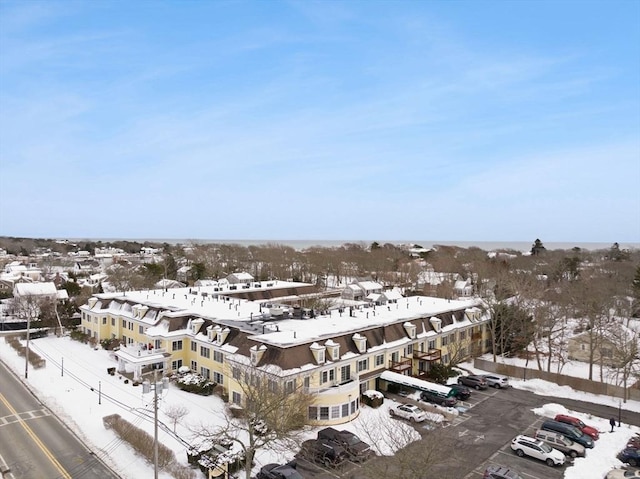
{"points": [[75, 374]]}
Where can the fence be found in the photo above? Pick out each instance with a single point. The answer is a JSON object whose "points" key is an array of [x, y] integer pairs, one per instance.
{"points": [[579, 384]]}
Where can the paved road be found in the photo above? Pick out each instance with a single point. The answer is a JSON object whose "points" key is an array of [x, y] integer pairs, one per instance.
{"points": [[34, 444]]}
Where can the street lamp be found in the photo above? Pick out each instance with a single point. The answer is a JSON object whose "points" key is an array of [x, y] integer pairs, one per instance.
{"points": [[158, 387]]}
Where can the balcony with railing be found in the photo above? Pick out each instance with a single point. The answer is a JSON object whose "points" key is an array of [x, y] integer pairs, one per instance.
{"points": [[402, 366], [429, 355], [347, 386]]}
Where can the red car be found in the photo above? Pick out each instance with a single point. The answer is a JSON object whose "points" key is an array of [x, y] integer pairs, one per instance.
{"points": [[574, 421]]}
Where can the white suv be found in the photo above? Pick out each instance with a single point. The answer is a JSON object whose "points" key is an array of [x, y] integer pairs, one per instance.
{"points": [[496, 380], [525, 445], [408, 411]]}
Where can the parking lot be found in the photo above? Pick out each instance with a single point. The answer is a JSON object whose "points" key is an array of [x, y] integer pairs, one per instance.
{"points": [[481, 435]]}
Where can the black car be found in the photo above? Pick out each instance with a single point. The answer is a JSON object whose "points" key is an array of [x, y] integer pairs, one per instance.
{"points": [[461, 392], [325, 452], [279, 471], [473, 381], [439, 399], [356, 448]]}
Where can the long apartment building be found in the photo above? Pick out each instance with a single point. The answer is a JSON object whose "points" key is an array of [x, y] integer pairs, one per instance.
{"points": [[220, 329]]}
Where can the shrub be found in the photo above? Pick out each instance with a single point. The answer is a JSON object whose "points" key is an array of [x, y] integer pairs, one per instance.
{"points": [[78, 335], [195, 383]]}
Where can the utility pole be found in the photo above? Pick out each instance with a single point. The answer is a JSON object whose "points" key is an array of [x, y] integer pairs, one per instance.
{"points": [[26, 355], [158, 387]]}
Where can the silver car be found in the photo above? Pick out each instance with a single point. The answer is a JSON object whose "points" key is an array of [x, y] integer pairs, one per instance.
{"points": [[496, 380], [561, 443]]}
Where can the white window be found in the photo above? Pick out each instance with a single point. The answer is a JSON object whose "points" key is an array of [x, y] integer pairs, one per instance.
{"points": [[205, 352], [445, 340], [335, 412], [194, 346], [141, 329], [236, 373], [218, 378], [177, 364], [218, 356], [321, 356], [194, 366], [205, 373], [432, 344], [176, 345], [379, 359], [236, 397]]}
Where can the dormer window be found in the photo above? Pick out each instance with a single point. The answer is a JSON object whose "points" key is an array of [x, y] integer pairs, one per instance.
{"points": [[361, 342], [257, 353], [333, 349], [318, 353], [410, 328], [436, 323]]}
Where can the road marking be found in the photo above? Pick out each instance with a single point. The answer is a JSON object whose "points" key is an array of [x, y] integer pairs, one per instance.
{"points": [[36, 439], [13, 418]]}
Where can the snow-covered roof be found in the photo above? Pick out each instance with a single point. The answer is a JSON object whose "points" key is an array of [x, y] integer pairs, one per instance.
{"points": [[35, 289]]}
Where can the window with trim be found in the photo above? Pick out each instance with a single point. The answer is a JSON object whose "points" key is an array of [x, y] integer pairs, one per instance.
{"points": [[205, 373], [313, 412], [176, 345], [432, 344], [177, 364], [380, 360], [445, 359], [113, 321], [321, 356], [290, 386], [272, 385], [335, 353], [328, 375], [395, 356], [236, 397], [205, 352], [124, 324], [194, 366], [130, 325], [218, 356], [409, 349], [236, 373], [306, 382], [218, 378], [345, 373], [345, 409], [324, 412], [140, 329], [363, 364], [104, 320], [194, 346], [335, 412], [463, 334], [445, 340]]}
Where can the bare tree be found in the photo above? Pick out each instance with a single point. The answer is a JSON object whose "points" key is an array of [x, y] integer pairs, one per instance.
{"points": [[271, 413], [176, 412]]}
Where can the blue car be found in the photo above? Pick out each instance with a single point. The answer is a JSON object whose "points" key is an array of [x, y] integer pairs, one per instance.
{"points": [[630, 456]]}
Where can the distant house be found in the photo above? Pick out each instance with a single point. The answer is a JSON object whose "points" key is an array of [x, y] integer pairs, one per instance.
{"points": [[463, 288], [238, 278], [182, 274], [579, 347], [39, 290], [87, 267], [359, 290], [169, 284]]}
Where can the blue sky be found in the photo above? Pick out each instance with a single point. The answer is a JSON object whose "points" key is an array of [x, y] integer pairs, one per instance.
{"points": [[353, 120]]}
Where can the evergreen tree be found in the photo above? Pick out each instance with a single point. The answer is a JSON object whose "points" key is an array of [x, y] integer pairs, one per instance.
{"points": [[537, 247]]}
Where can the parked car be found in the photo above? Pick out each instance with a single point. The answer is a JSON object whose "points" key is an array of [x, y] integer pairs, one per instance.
{"points": [[623, 474], [500, 472], [435, 398], [279, 471], [357, 449], [473, 381], [561, 443], [460, 391], [321, 451], [528, 446], [574, 421], [496, 381], [630, 456], [408, 411], [569, 431]]}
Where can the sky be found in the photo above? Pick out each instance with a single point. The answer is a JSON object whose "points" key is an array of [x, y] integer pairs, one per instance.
{"points": [[351, 120], [73, 398]]}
